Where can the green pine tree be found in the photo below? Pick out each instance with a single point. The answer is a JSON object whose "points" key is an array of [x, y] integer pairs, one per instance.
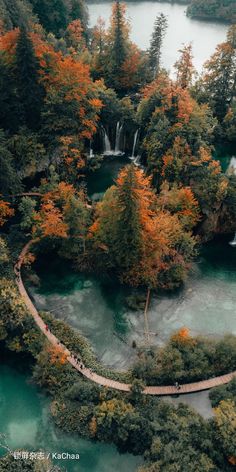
{"points": [[160, 27], [79, 11], [9, 179], [30, 91], [128, 226], [10, 110], [16, 13], [118, 45], [219, 82], [52, 14]]}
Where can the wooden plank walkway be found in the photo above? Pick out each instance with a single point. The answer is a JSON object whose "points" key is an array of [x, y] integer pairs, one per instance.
{"points": [[80, 367]]}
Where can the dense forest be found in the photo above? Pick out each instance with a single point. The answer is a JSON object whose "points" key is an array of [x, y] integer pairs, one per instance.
{"points": [[66, 90], [222, 10]]}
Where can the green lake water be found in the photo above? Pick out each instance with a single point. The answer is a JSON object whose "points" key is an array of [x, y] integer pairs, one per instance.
{"points": [[25, 420], [99, 180], [206, 304]]}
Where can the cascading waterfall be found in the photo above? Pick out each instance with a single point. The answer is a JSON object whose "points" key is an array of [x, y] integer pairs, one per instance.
{"points": [[136, 160], [91, 154], [107, 144], [232, 166], [233, 243], [134, 144], [119, 128]]}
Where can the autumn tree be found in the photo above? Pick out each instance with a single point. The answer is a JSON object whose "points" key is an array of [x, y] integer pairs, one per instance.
{"points": [[140, 242], [184, 67], [160, 27], [48, 222], [182, 168], [5, 211], [180, 202], [99, 48], [63, 213], [170, 117], [70, 105], [79, 11], [115, 59], [74, 35]]}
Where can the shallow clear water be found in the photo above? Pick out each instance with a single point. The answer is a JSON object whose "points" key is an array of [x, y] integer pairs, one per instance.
{"points": [[181, 30], [24, 418], [206, 305], [198, 401]]}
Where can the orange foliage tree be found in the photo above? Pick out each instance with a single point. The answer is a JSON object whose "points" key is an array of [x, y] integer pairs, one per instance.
{"points": [[184, 67], [5, 212], [173, 123], [114, 57], [49, 221], [71, 104], [74, 34], [182, 337], [180, 202], [64, 213], [139, 239]]}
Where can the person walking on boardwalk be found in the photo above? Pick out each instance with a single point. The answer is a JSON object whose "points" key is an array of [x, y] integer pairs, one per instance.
{"points": [[177, 386]]}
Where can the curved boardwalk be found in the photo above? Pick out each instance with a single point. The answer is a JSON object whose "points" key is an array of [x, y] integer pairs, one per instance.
{"points": [[162, 390]]}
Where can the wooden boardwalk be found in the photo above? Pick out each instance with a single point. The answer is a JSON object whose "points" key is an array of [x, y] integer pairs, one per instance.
{"points": [[80, 367]]}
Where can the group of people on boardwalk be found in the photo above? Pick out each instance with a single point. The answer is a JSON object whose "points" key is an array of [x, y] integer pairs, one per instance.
{"points": [[74, 357], [17, 271], [78, 361]]}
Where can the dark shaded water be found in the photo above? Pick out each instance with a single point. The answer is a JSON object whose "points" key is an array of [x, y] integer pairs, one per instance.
{"points": [[99, 180]]}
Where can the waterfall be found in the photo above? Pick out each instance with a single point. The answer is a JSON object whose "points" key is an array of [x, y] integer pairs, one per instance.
{"points": [[91, 154], [136, 160], [118, 135], [134, 144], [107, 144], [232, 166], [233, 243]]}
